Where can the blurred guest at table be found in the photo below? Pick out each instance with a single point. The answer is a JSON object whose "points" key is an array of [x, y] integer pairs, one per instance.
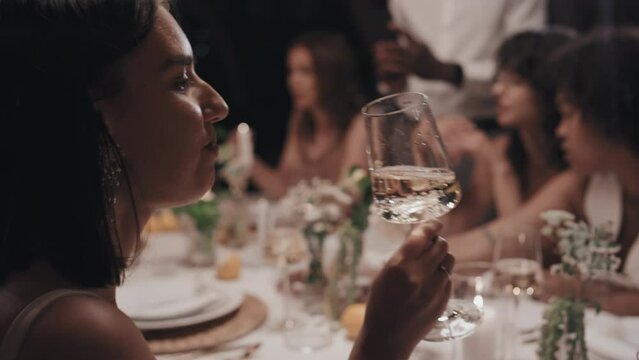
{"points": [[598, 84], [326, 133], [446, 49], [104, 121], [509, 168]]}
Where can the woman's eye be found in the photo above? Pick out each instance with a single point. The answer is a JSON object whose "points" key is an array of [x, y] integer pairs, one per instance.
{"points": [[181, 83]]}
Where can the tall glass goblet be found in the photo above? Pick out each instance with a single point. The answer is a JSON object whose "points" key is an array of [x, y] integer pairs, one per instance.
{"points": [[517, 264], [413, 182]]}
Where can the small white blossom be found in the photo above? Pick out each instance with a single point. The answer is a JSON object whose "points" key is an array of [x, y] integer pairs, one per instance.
{"points": [[555, 217], [546, 231]]}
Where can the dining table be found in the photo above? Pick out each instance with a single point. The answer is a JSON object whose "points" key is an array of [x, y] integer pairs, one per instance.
{"points": [[165, 252]]}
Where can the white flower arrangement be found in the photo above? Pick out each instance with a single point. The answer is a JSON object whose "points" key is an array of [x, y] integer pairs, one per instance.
{"points": [[318, 203], [586, 252], [322, 207]]}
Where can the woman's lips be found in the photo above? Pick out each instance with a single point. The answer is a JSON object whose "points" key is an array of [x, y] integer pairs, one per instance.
{"points": [[212, 147]]}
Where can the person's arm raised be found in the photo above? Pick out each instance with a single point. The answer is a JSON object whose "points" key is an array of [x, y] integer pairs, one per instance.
{"points": [[413, 57], [407, 297]]}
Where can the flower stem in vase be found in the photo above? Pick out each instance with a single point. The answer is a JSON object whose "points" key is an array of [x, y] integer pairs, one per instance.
{"points": [[315, 242]]}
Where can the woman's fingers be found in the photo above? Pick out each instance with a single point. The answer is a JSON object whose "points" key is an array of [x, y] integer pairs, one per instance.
{"points": [[418, 241], [432, 259], [448, 264]]}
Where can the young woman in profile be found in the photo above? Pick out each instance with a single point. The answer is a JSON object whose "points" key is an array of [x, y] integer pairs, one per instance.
{"points": [[598, 84], [326, 133], [102, 121]]}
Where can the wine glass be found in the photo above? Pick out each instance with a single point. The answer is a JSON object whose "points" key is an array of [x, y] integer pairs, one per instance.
{"points": [[412, 182], [473, 281], [517, 264]]}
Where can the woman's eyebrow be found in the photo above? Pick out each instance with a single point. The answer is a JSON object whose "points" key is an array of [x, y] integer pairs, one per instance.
{"points": [[175, 60]]}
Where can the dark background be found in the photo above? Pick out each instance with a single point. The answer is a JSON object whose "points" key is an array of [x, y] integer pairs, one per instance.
{"points": [[241, 45]]}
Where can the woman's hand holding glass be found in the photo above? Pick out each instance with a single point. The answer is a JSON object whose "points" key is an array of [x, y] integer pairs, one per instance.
{"points": [[407, 296], [413, 181]]}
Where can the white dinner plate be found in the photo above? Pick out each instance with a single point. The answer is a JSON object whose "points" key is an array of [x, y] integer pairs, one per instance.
{"points": [[164, 297], [228, 302]]}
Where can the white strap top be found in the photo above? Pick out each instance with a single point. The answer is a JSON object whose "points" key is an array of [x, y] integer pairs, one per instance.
{"points": [[14, 337], [603, 203]]}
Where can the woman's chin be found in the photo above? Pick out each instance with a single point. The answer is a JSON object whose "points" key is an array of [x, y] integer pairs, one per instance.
{"points": [[201, 189]]}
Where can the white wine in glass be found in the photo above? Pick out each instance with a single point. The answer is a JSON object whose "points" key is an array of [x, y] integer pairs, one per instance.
{"points": [[412, 182], [408, 194], [517, 275]]}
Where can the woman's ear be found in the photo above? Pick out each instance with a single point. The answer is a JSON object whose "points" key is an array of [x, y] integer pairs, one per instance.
{"points": [[108, 109]]}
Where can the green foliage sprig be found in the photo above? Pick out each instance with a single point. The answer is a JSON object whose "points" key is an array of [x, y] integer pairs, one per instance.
{"points": [[358, 184], [586, 253]]}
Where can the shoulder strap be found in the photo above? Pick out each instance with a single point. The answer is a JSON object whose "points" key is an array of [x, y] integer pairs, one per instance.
{"points": [[15, 335]]}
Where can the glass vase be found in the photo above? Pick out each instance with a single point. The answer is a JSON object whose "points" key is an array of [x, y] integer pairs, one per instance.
{"points": [[307, 328], [343, 288]]}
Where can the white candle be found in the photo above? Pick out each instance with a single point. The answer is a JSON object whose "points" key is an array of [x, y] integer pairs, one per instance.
{"points": [[244, 144]]}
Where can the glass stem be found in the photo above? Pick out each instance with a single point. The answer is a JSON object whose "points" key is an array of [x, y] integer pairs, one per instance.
{"points": [[512, 334]]}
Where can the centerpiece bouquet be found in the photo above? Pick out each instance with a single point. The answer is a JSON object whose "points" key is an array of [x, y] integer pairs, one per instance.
{"points": [[323, 208], [587, 253]]}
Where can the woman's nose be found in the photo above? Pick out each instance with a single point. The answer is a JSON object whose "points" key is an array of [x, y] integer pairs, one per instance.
{"points": [[497, 88], [560, 130], [214, 108]]}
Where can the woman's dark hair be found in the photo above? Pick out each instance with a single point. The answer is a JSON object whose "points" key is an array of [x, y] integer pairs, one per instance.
{"points": [[58, 57], [526, 54], [600, 75], [336, 73]]}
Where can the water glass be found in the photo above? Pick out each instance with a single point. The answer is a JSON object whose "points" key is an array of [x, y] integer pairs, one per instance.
{"points": [[517, 263], [307, 328]]}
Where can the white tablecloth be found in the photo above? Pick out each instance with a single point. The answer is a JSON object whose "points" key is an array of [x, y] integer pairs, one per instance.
{"points": [[261, 281]]}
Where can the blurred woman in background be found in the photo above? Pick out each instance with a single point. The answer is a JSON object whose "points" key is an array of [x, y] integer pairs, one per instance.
{"points": [[598, 84], [510, 167], [326, 133]]}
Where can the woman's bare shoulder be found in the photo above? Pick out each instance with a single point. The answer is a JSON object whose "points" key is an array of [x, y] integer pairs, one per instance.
{"points": [[83, 327]]}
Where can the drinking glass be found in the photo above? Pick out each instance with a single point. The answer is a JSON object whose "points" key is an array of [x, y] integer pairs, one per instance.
{"points": [[411, 176], [412, 181], [474, 281], [517, 264]]}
